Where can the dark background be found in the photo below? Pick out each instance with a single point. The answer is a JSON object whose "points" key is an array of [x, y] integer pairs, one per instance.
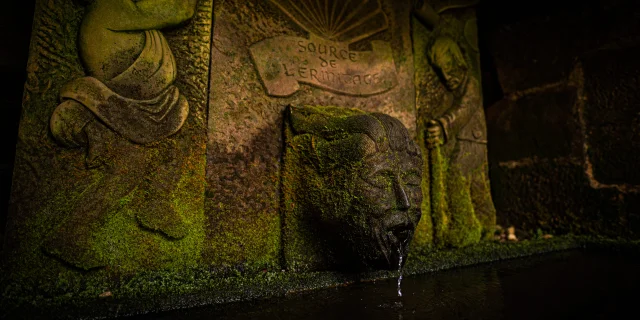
{"points": [[15, 22], [557, 75], [561, 83]]}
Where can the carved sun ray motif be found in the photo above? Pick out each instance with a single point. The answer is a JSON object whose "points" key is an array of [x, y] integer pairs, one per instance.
{"points": [[337, 20]]}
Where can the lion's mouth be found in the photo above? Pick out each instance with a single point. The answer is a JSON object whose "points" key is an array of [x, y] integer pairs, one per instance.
{"points": [[393, 240]]}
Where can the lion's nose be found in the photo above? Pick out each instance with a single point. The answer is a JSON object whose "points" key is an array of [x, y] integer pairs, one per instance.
{"points": [[402, 200], [400, 225]]}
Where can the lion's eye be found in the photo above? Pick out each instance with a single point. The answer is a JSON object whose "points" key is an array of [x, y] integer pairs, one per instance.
{"points": [[380, 179], [412, 178]]}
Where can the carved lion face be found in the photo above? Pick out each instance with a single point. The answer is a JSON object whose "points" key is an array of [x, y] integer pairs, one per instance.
{"points": [[380, 189], [362, 190], [386, 207]]}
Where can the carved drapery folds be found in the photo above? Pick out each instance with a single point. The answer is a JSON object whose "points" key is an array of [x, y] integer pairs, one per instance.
{"points": [[124, 168], [452, 127], [117, 136]]}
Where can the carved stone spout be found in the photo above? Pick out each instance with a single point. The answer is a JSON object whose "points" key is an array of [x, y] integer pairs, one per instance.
{"points": [[351, 188]]}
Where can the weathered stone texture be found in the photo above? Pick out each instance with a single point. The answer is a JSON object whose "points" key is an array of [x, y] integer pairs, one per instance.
{"points": [[245, 125], [351, 189], [564, 140], [555, 196], [542, 125], [455, 186], [53, 185], [612, 114]]}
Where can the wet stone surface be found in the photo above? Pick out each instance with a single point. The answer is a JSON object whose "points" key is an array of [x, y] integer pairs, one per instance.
{"points": [[568, 284]]}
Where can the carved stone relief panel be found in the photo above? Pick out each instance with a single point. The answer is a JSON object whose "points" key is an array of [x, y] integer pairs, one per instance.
{"points": [[267, 55], [451, 126], [110, 160]]}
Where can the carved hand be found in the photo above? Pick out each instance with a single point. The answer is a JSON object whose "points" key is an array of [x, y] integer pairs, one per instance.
{"points": [[433, 135]]}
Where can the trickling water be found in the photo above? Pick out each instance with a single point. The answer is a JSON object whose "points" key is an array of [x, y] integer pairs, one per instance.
{"points": [[488, 291], [400, 271]]}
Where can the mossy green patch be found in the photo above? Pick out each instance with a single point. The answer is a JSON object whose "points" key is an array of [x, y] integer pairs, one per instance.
{"points": [[455, 189], [246, 244], [71, 296], [75, 223], [351, 183]]}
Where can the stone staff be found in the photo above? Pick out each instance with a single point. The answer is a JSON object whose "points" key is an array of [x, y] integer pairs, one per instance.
{"points": [[437, 189]]}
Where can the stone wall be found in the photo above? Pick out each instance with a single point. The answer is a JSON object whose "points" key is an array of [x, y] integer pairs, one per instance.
{"points": [[563, 114]]}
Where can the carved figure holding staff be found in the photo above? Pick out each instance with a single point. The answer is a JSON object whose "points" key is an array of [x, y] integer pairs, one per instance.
{"points": [[462, 210]]}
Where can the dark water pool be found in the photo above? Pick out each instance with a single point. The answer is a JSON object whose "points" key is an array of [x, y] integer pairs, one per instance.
{"points": [[567, 285]]}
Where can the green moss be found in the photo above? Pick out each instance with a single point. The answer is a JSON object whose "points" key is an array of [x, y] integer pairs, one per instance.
{"points": [[171, 289], [303, 188], [464, 228], [447, 199], [247, 244], [53, 181], [244, 237], [331, 203], [424, 233]]}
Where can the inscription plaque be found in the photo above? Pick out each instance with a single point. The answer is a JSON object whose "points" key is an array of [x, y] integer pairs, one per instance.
{"points": [[325, 60]]}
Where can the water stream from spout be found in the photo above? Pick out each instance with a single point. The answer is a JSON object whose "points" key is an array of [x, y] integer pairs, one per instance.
{"points": [[400, 271]]}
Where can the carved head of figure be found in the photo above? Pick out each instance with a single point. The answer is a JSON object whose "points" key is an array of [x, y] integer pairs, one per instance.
{"points": [[448, 61], [88, 2], [366, 196]]}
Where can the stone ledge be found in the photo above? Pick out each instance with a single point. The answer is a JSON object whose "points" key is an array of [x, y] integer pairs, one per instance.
{"points": [[155, 292]]}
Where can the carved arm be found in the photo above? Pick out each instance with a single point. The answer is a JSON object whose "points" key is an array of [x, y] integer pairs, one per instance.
{"points": [[425, 14], [460, 113], [134, 15]]}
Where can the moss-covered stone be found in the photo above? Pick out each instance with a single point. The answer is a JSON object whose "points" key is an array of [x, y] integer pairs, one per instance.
{"points": [[455, 182], [78, 220], [154, 291], [351, 188], [245, 122]]}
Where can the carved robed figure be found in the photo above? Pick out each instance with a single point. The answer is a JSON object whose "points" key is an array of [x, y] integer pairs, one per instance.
{"points": [[454, 131], [127, 99], [462, 130]]}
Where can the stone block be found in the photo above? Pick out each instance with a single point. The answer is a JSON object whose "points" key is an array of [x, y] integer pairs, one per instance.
{"points": [[541, 125], [538, 43], [612, 114], [521, 50], [556, 197]]}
